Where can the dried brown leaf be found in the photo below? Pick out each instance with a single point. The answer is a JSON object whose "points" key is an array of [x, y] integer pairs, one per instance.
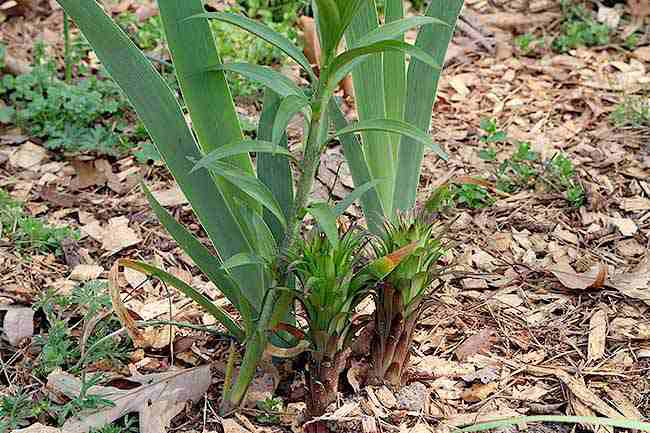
{"points": [[597, 335], [18, 324], [479, 391], [477, 343], [592, 279], [159, 398]]}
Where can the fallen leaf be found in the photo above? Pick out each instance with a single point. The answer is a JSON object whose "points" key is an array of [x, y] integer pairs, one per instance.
{"points": [[477, 343], [439, 367], [626, 226], [634, 283], [413, 397], [587, 396], [86, 272], [118, 235], [159, 398], [626, 328], [170, 197], [479, 391], [138, 337], [597, 335], [28, 156], [231, 426], [480, 417], [386, 397], [357, 374], [39, 428], [642, 53], [18, 323], [592, 279], [624, 405]]}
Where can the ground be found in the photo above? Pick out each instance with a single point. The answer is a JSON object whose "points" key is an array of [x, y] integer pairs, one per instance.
{"points": [[543, 304]]}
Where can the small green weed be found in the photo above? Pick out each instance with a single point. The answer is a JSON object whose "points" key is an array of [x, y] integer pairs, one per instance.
{"points": [[632, 111], [84, 116], [59, 348], [579, 29], [27, 233], [128, 424], [527, 43], [83, 401], [632, 41], [15, 410], [271, 408], [525, 168], [465, 195]]}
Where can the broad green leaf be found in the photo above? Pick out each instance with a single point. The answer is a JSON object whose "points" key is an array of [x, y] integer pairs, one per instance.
{"points": [[395, 68], [381, 47], [243, 259], [328, 18], [326, 219], [204, 302], [356, 194], [347, 9], [206, 262], [422, 85], [359, 170], [392, 30], [289, 107], [161, 114], [264, 239], [342, 72], [271, 36], [396, 127], [264, 75], [239, 147], [630, 424], [274, 170], [368, 80], [251, 186]]}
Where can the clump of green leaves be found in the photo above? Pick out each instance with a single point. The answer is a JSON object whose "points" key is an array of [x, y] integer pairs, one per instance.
{"points": [[28, 233], [525, 169], [632, 111], [68, 117], [271, 409], [579, 29], [527, 43]]}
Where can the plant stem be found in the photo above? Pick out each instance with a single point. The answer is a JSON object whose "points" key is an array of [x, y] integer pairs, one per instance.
{"points": [[310, 162], [66, 52]]}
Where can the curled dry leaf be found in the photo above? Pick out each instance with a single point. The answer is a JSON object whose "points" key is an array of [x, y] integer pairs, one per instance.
{"points": [[39, 428], [139, 340], [626, 328], [159, 398], [594, 278]]}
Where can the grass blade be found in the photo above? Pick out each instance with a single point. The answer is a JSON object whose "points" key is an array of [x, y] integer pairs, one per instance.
{"points": [[239, 147], [593, 420], [265, 33], [328, 18], [396, 127], [243, 259], [289, 107], [326, 219], [396, 29], [422, 85], [206, 262], [345, 58], [358, 192], [215, 311], [395, 68], [274, 170], [360, 173], [263, 75], [368, 81], [251, 186]]}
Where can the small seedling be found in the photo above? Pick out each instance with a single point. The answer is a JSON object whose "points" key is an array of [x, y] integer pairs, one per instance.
{"points": [[492, 133], [527, 43], [472, 196], [271, 409], [15, 410], [27, 233]]}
